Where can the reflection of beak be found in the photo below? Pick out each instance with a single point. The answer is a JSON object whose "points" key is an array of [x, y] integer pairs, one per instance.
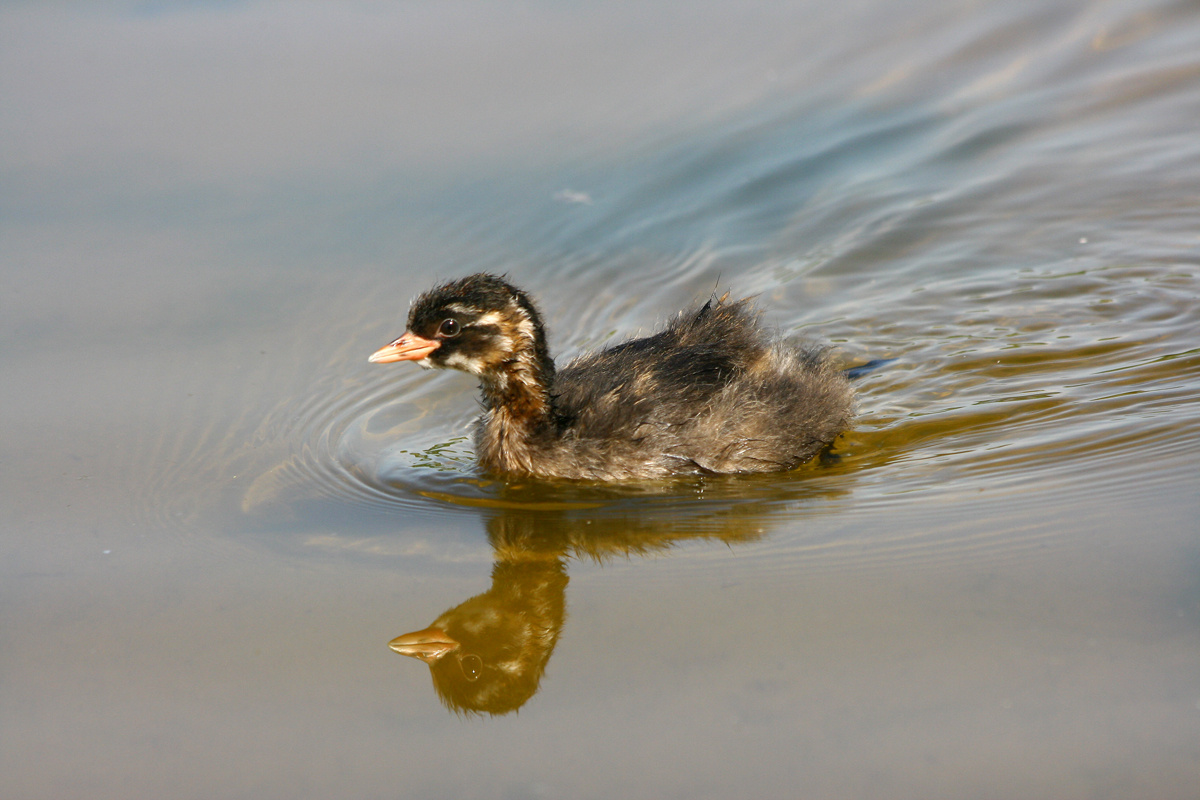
{"points": [[428, 645], [408, 347]]}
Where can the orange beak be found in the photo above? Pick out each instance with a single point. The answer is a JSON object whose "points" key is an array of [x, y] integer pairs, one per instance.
{"points": [[408, 347], [428, 645]]}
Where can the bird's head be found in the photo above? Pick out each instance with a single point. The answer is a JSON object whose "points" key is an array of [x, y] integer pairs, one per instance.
{"points": [[479, 324]]}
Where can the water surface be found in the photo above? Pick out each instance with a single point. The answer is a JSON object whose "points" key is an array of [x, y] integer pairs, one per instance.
{"points": [[218, 514]]}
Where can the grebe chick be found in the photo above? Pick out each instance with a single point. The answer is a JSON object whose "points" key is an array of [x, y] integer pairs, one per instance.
{"points": [[712, 392]]}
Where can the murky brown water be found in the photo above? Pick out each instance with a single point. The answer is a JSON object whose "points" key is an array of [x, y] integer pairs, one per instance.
{"points": [[217, 514]]}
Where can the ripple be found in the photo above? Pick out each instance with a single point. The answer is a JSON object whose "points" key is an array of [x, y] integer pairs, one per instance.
{"points": [[340, 442], [1028, 353], [1028, 382]]}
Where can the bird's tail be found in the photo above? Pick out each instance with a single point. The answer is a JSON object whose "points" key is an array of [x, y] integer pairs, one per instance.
{"points": [[854, 373]]}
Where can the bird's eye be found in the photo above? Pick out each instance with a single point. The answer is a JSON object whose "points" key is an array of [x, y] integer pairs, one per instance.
{"points": [[472, 666], [450, 327]]}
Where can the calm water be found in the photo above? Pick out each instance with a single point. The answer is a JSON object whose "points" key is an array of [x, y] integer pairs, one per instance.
{"points": [[216, 514]]}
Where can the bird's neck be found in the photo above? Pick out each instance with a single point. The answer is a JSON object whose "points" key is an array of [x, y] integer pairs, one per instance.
{"points": [[520, 412]]}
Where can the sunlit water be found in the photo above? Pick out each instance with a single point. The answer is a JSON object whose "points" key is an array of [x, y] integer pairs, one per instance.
{"points": [[218, 513]]}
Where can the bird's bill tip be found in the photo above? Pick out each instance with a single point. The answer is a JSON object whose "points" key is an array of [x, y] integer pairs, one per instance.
{"points": [[408, 347], [428, 645]]}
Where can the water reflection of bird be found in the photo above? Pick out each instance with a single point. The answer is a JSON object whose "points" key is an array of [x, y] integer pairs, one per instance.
{"points": [[488, 654], [712, 392]]}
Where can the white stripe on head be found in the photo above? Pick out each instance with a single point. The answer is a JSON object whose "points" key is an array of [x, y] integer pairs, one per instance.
{"points": [[524, 324], [466, 364]]}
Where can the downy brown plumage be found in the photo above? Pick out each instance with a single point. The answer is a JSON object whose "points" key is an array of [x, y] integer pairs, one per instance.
{"points": [[713, 392]]}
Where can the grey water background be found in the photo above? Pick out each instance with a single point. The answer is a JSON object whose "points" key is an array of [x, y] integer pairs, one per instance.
{"points": [[216, 514]]}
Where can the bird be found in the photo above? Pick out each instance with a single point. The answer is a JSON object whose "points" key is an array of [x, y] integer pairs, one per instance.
{"points": [[713, 392]]}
